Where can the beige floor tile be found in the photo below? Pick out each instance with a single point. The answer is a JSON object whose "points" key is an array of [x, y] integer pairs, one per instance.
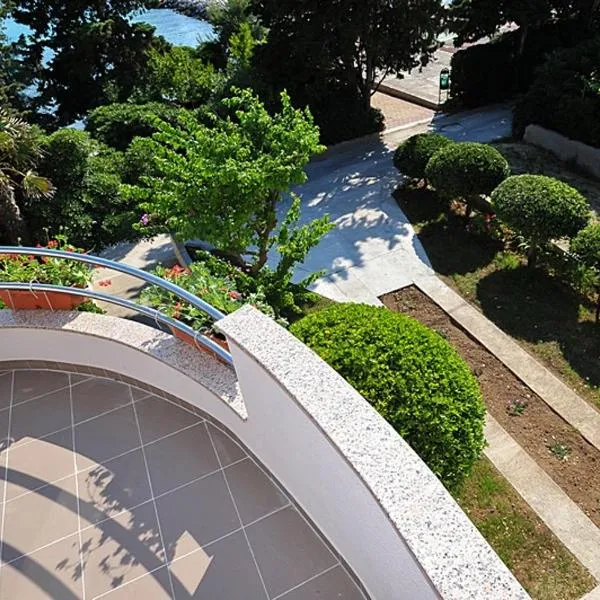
{"points": [[5, 390], [119, 550], [227, 450], [288, 552], [224, 570], [106, 437], [153, 586], [29, 384], [180, 458], [40, 518], [96, 396], [46, 460], [254, 493], [159, 418], [37, 418], [53, 572], [195, 515], [108, 489], [333, 585], [138, 393]]}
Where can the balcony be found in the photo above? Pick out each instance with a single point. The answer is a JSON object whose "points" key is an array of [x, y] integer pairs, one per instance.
{"points": [[136, 464]]}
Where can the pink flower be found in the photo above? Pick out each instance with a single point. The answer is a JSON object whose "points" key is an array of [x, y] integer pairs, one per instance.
{"points": [[235, 295], [105, 283], [145, 219], [52, 244]]}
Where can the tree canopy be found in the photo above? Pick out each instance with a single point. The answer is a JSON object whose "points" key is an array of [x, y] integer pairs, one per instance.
{"points": [[80, 54]]}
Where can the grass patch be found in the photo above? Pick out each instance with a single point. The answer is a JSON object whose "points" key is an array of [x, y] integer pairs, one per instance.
{"points": [[545, 316], [545, 568]]}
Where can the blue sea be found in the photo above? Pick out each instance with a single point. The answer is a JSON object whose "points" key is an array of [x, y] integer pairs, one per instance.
{"points": [[175, 28]]}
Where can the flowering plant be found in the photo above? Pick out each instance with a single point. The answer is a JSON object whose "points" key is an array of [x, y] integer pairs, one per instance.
{"points": [[57, 271], [217, 288]]}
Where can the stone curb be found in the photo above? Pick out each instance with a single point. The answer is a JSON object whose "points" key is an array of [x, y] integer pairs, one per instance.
{"points": [[562, 399], [564, 518]]}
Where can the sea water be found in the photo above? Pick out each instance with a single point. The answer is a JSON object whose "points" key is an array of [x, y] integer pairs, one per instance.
{"points": [[174, 27]]}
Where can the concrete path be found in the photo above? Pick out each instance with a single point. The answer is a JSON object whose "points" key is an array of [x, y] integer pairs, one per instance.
{"points": [[564, 518]]}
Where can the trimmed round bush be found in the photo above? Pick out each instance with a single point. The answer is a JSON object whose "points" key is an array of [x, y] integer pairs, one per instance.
{"points": [[412, 155], [540, 209], [586, 244], [410, 375], [467, 169]]}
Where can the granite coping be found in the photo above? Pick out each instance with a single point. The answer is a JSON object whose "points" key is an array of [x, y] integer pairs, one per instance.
{"points": [[457, 559], [195, 364]]}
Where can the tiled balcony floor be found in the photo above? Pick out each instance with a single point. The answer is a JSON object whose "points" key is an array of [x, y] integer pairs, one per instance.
{"points": [[109, 491]]}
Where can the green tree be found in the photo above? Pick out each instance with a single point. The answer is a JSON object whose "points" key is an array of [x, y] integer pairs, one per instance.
{"points": [[20, 153], [333, 55], [586, 245], [222, 183], [88, 205], [540, 209], [97, 53], [176, 76]]}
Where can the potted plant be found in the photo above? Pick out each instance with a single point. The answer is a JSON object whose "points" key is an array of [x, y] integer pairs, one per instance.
{"points": [[56, 271], [210, 281]]}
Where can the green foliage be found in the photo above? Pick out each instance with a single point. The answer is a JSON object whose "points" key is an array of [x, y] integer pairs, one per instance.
{"points": [[562, 97], [222, 183], [20, 154], [412, 156], [57, 271], [365, 41], [586, 245], [176, 76], [467, 169], [540, 209], [87, 206], [410, 375], [98, 53], [483, 74], [116, 125]]}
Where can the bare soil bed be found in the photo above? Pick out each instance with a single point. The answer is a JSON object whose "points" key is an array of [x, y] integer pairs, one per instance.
{"points": [[556, 446]]}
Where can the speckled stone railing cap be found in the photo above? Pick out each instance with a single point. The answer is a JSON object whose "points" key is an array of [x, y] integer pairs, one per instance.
{"points": [[457, 559]]}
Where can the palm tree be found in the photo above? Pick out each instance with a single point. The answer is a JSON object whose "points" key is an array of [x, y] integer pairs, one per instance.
{"points": [[19, 153]]}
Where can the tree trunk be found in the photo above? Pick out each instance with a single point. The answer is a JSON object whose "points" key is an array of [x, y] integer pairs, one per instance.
{"points": [[532, 256], [12, 222], [264, 234]]}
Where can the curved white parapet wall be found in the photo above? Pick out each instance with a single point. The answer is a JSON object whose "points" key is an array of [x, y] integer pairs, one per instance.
{"points": [[380, 507]]}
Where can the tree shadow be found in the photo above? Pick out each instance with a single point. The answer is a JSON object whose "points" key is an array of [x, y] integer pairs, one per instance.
{"points": [[533, 306], [452, 250]]}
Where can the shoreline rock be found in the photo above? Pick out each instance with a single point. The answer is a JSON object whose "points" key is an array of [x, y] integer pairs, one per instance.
{"points": [[190, 8]]}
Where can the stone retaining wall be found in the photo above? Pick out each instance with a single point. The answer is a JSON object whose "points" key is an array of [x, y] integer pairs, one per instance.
{"points": [[585, 157]]}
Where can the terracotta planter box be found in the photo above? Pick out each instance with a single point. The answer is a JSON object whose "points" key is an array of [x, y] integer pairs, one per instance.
{"points": [[35, 300], [188, 339]]}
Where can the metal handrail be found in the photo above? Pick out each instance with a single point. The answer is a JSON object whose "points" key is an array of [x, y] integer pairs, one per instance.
{"points": [[128, 270]]}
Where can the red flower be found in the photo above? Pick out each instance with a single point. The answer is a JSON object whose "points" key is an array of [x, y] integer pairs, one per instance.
{"points": [[105, 283], [53, 244], [177, 311], [235, 295]]}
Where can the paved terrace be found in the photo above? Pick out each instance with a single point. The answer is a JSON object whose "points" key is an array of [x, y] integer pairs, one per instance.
{"points": [[109, 491]]}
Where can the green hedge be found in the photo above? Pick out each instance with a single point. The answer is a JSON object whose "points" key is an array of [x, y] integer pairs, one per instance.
{"points": [[565, 95], [412, 377], [412, 156], [467, 169]]}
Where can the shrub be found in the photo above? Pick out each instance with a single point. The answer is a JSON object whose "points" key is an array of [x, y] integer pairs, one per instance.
{"points": [[87, 205], [482, 74], [412, 155], [410, 375], [117, 124], [540, 209], [586, 245], [564, 95], [466, 170]]}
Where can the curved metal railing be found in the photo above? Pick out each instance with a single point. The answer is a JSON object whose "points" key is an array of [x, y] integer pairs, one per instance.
{"points": [[152, 313]]}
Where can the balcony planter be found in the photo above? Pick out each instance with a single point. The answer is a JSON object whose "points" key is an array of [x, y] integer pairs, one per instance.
{"points": [[34, 299], [188, 339]]}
